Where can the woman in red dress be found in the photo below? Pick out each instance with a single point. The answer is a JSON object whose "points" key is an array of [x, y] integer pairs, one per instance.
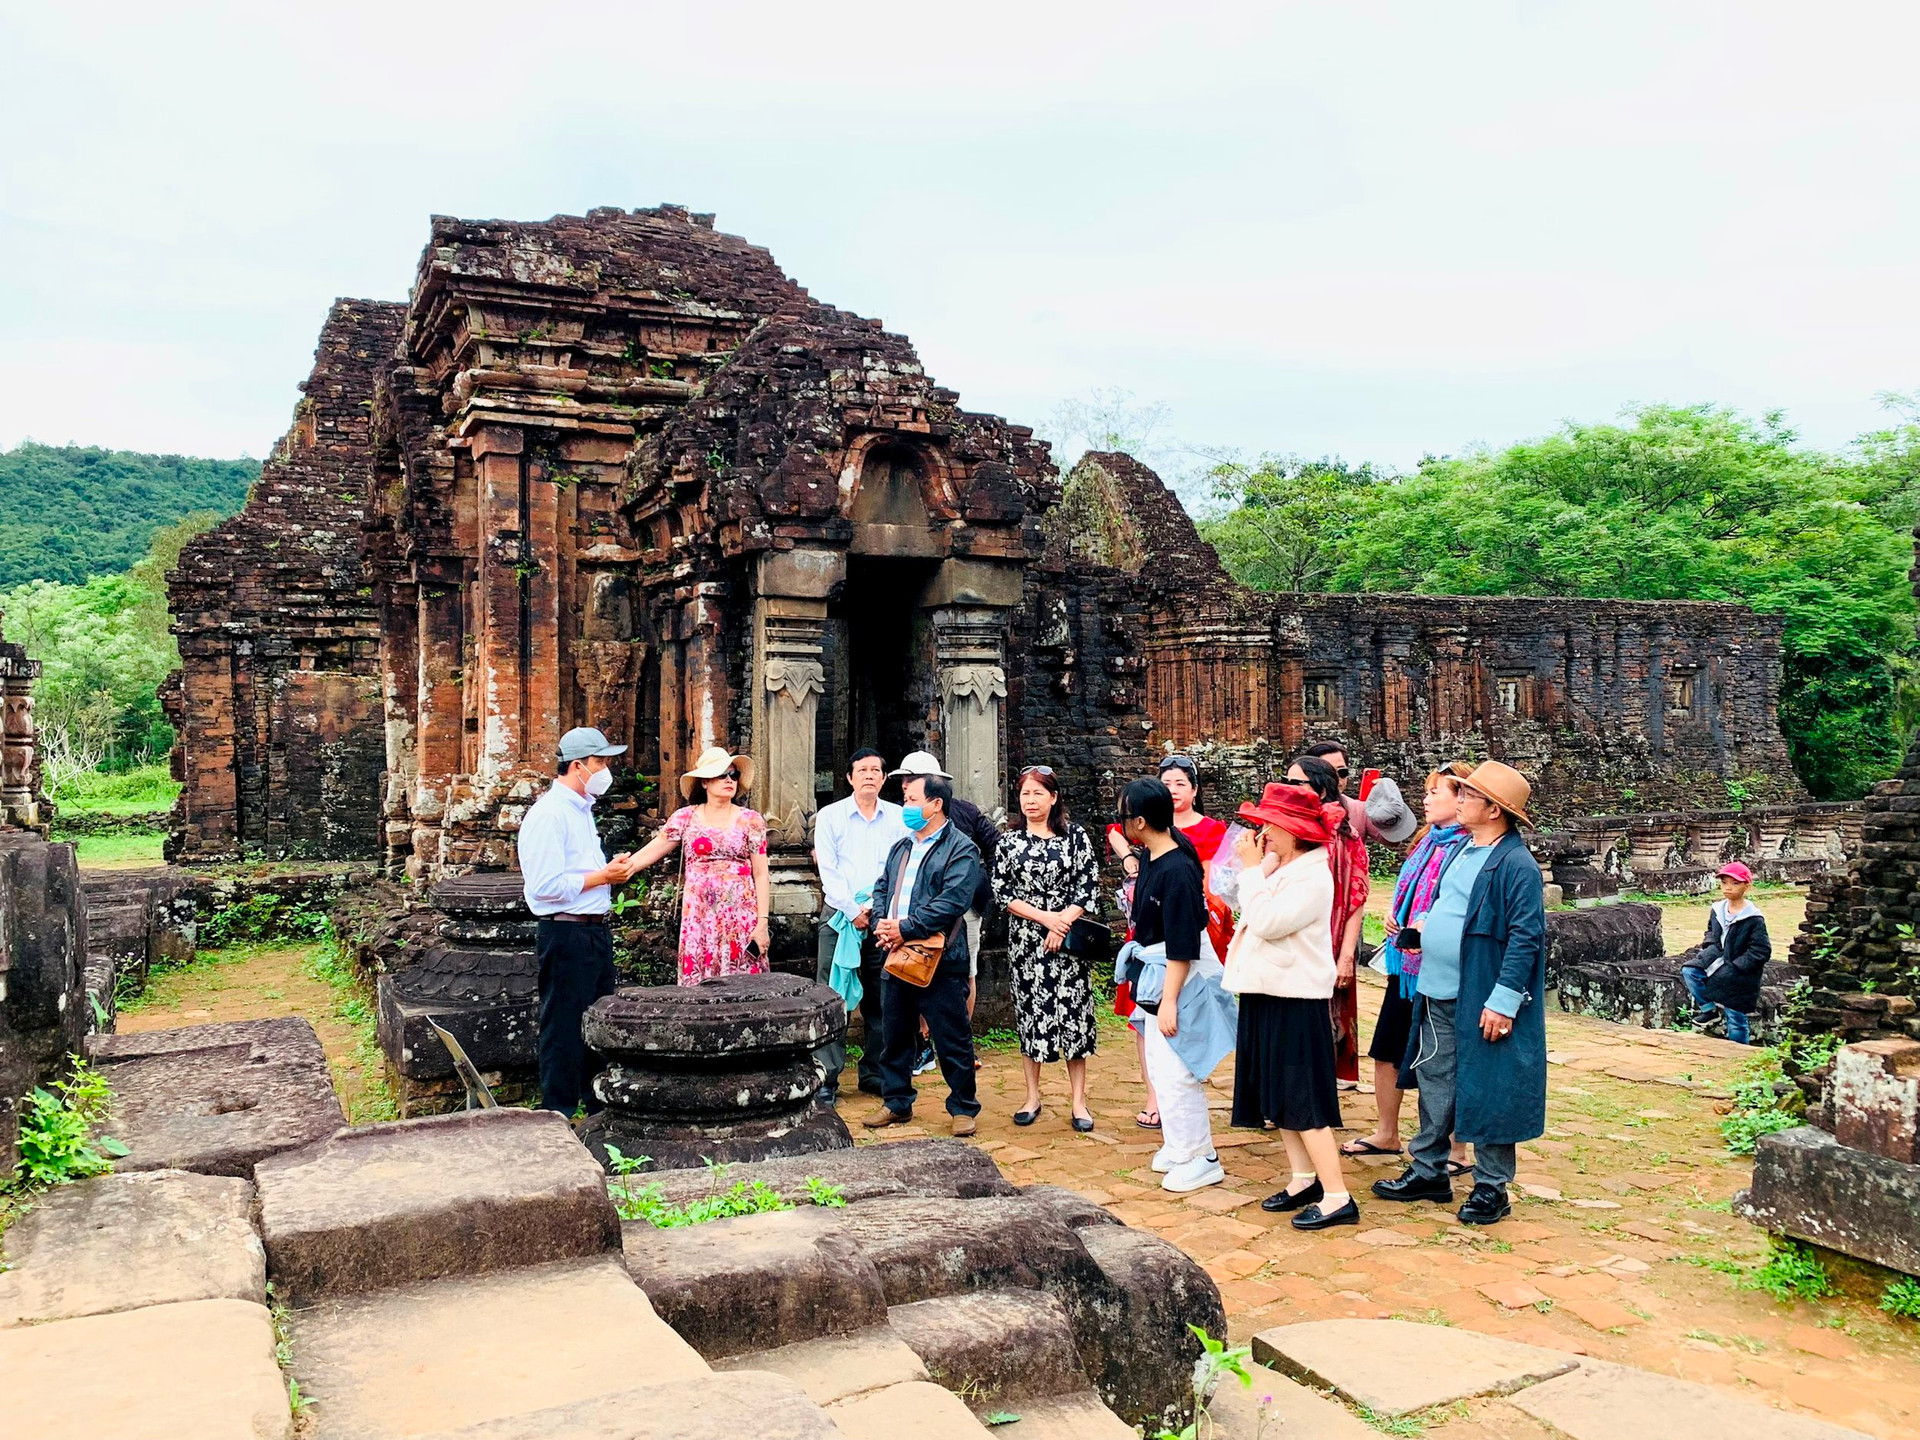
{"points": [[1348, 857], [1182, 779]]}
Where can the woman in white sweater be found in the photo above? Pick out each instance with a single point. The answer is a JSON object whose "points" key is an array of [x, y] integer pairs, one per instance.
{"points": [[1281, 966]]}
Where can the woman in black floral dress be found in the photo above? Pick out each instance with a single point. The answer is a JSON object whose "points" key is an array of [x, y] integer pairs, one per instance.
{"points": [[1045, 877]]}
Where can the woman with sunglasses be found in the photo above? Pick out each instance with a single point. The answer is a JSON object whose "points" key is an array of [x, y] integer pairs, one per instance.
{"points": [[1045, 876], [726, 893], [1182, 779]]}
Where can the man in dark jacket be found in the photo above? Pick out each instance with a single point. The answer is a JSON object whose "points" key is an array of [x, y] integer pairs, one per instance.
{"points": [[1724, 974], [929, 880], [1479, 1039]]}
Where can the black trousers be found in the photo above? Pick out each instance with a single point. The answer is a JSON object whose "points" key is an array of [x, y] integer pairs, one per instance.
{"points": [[834, 1054], [576, 969], [943, 1004]]}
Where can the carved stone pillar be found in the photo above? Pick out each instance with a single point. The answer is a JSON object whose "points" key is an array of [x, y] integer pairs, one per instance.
{"points": [[19, 804], [788, 644], [969, 655]]}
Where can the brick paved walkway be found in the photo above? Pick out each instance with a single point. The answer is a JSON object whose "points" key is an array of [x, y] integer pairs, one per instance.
{"points": [[1617, 1210]]}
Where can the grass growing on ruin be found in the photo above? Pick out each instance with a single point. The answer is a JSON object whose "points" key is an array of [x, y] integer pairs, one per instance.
{"points": [[59, 1125], [646, 1202], [353, 1006]]}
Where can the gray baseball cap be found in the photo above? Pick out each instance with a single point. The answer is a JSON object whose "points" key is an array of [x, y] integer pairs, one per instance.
{"points": [[578, 744]]}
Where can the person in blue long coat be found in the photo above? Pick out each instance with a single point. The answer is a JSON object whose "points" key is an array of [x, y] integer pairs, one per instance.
{"points": [[1478, 1044]]}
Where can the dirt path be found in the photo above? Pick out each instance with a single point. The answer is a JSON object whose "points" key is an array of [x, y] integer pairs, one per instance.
{"points": [[257, 982]]}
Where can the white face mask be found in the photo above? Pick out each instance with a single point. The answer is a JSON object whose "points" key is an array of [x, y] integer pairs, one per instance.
{"points": [[600, 782]]}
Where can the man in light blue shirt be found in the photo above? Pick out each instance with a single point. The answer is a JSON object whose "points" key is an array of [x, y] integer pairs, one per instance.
{"points": [[851, 838], [568, 883], [1478, 1048]]}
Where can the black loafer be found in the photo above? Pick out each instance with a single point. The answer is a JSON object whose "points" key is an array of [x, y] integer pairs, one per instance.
{"points": [[1026, 1117], [1314, 1218], [1412, 1185], [1083, 1123], [1486, 1206], [1281, 1202]]}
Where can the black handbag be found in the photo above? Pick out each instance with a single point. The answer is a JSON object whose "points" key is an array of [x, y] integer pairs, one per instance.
{"points": [[1088, 941]]}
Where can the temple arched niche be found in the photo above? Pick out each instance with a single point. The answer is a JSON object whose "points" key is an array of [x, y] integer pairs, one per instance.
{"points": [[889, 505]]}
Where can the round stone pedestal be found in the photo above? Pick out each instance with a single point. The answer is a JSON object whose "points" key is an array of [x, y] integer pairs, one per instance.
{"points": [[723, 1071]]}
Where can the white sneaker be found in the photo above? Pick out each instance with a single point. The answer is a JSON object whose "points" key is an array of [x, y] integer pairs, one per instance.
{"points": [[1195, 1174], [1161, 1164]]}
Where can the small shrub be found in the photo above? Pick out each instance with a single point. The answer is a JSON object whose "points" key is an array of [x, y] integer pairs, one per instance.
{"points": [[263, 917], [756, 1197], [822, 1193], [1791, 1271], [57, 1141], [1901, 1298]]}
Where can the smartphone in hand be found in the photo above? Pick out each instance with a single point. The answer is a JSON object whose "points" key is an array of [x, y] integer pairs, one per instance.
{"points": [[1367, 777]]}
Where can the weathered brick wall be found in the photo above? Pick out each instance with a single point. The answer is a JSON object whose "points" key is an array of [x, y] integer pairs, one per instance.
{"points": [[279, 637], [1605, 705]]}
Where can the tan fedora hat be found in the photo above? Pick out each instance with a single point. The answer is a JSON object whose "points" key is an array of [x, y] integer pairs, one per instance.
{"points": [[714, 762], [1504, 786]]}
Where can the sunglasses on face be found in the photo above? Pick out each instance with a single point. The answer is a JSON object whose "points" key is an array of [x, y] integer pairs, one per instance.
{"points": [[733, 775], [1289, 780]]}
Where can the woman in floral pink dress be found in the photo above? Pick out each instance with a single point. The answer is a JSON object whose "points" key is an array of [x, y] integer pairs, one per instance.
{"points": [[725, 889]]}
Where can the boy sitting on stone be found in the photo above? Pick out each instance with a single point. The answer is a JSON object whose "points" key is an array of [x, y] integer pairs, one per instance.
{"points": [[1724, 973]]}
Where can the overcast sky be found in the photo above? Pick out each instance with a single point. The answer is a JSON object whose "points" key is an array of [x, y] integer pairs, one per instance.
{"points": [[1371, 230]]}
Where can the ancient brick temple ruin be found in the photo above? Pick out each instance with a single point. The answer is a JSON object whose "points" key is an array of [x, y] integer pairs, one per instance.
{"points": [[619, 469]]}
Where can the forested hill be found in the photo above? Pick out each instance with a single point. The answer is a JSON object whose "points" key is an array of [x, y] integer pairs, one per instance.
{"points": [[71, 512]]}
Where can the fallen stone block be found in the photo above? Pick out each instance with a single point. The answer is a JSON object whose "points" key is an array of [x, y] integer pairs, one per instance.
{"points": [[217, 1098], [419, 1199], [201, 1370], [918, 1409], [923, 1248], [756, 1282], [838, 1367], [1274, 1406], [1133, 1327], [994, 1346], [1808, 1185], [433, 1358], [706, 1407], [924, 1168], [1600, 1401], [118, 1242], [1394, 1367], [1876, 1098]]}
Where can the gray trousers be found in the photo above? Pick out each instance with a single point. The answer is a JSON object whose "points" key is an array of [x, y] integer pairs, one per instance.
{"points": [[1437, 1066], [833, 1055]]}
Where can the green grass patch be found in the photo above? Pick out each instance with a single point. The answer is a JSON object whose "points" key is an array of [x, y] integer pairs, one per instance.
{"points": [[122, 848], [140, 791], [1791, 1271], [330, 964], [1901, 1298]]}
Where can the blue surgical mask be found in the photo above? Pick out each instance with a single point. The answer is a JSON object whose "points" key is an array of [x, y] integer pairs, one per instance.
{"points": [[915, 818]]}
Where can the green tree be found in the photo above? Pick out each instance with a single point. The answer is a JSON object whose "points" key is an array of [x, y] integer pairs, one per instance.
{"points": [[1286, 519]]}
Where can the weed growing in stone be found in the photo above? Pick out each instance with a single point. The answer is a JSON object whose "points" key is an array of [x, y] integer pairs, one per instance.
{"points": [[1791, 1271], [263, 917], [1762, 1103], [820, 1192], [1901, 1298], [646, 1202], [58, 1143], [1215, 1364]]}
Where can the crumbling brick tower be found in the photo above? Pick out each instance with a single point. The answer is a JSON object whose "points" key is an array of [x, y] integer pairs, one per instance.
{"points": [[277, 703]]}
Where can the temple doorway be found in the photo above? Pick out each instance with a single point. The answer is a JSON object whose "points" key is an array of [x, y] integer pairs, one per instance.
{"points": [[882, 689]]}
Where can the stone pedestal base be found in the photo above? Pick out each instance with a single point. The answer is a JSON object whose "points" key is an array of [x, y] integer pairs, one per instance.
{"points": [[688, 1144]]}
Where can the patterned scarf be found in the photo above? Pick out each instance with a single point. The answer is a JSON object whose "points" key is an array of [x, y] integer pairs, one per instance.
{"points": [[1413, 894]]}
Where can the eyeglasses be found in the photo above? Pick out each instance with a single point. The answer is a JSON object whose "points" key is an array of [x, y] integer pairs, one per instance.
{"points": [[1046, 770]]}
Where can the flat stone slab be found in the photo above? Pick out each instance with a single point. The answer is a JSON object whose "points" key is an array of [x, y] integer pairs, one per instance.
{"points": [[1601, 1401], [994, 1346], [202, 1370], [838, 1367], [707, 1407], [1291, 1410], [118, 1242], [1077, 1417], [1395, 1367], [945, 1168], [916, 1409], [217, 1098], [417, 1200], [433, 1358], [1808, 1185]]}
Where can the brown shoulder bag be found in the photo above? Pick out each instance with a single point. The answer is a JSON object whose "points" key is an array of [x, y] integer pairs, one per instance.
{"points": [[916, 960]]}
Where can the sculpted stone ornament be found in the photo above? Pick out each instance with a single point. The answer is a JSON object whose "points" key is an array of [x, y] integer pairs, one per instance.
{"points": [[798, 680], [982, 684]]}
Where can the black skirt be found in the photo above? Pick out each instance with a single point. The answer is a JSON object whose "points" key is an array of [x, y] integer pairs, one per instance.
{"points": [[1283, 1065], [1390, 1031]]}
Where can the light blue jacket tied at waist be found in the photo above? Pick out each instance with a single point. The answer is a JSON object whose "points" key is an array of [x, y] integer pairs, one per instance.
{"points": [[848, 939], [1209, 1017]]}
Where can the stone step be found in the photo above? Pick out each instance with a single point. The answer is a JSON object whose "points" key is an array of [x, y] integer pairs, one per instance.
{"points": [[1394, 1367], [1602, 1401], [994, 1346], [707, 1407], [1081, 1417], [417, 1200], [217, 1098], [838, 1367], [200, 1370], [1274, 1406], [915, 1408], [434, 1358], [118, 1242]]}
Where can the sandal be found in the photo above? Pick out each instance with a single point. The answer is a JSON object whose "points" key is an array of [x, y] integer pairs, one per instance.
{"points": [[1366, 1147], [1458, 1167], [1144, 1123]]}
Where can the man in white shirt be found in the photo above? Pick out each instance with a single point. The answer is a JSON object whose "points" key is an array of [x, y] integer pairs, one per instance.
{"points": [[851, 838], [569, 885]]}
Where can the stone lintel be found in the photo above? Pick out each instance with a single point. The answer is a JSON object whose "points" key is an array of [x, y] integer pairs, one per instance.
{"points": [[975, 582], [803, 574]]}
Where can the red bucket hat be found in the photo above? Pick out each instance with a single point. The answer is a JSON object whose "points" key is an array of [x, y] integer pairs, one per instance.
{"points": [[1294, 809]]}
